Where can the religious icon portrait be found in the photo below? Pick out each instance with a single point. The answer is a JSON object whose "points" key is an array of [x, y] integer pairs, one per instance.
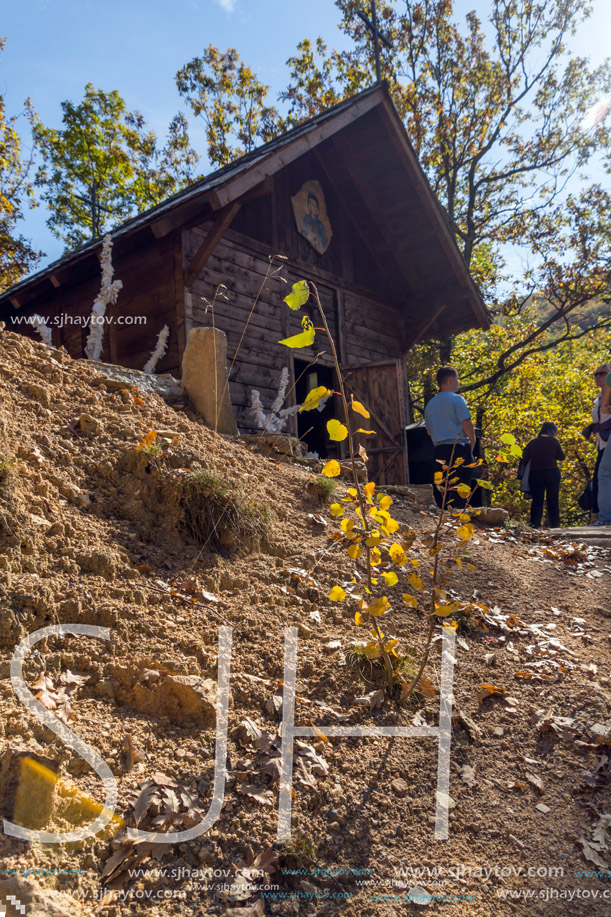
{"points": [[311, 219]]}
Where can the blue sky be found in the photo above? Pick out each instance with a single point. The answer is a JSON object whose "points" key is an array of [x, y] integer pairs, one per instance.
{"points": [[54, 47]]}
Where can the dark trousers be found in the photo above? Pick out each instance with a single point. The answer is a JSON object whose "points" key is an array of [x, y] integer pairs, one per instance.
{"points": [[595, 481], [448, 453], [545, 483]]}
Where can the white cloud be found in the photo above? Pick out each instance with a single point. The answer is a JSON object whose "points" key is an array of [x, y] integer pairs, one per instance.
{"points": [[227, 5]]}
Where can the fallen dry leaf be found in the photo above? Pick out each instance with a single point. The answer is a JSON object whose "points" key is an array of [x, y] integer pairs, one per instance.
{"points": [[467, 773], [490, 691], [259, 794], [534, 781]]}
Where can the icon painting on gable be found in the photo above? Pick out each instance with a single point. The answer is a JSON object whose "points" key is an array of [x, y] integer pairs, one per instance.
{"points": [[310, 210]]}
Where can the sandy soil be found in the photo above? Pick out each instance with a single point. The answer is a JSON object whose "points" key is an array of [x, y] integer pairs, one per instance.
{"points": [[94, 530]]}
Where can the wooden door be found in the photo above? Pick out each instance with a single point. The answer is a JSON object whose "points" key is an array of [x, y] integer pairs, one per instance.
{"points": [[382, 388]]}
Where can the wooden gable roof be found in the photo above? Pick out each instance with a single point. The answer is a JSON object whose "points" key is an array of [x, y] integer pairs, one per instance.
{"points": [[363, 148]]}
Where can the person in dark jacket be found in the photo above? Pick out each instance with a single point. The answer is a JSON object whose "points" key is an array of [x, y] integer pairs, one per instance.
{"points": [[544, 453]]}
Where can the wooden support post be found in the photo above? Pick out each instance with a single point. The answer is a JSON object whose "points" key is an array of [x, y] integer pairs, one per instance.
{"points": [[179, 294], [414, 337], [221, 224], [340, 324]]}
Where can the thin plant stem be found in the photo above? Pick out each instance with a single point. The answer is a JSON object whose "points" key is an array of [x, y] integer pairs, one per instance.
{"points": [[268, 274], [437, 549], [385, 656]]}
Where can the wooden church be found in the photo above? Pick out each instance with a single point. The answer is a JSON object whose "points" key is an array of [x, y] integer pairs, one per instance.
{"points": [[343, 199]]}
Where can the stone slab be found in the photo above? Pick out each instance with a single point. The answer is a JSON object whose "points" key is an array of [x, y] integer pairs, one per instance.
{"points": [[205, 378]]}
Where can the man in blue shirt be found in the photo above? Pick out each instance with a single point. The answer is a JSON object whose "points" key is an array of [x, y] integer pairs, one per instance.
{"points": [[448, 423]]}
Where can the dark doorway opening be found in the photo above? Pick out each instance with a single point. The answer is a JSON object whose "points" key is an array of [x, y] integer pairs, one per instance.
{"points": [[422, 464], [312, 425]]}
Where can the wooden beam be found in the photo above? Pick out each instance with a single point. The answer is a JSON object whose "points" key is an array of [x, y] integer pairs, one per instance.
{"points": [[340, 324], [222, 222], [194, 208], [305, 141], [261, 167], [260, 190], [413, 337], [352, 165], [363, 223], [437, 214], [179, 294]]}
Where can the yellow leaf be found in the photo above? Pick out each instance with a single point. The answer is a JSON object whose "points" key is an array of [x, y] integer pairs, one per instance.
{"points": [[442, 611], [337, 431], [465, 531], [359, 408], [374, 538], [391, 525], [314, 398], [372, 651], [337, 594], [379, 607], [354, 551], [385, 502], [336, 509], [298, 296], [366, 432], [410, 600], [391, 579], [347, 525], [375, 557], [415, 582], [359, 618], [305, 339], [397, 555], [369, 489], [331, 469], [390, 646], [438, 477]]}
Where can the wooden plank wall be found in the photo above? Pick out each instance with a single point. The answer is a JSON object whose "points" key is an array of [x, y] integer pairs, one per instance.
{"points": [[149, 290], [369, 331]]}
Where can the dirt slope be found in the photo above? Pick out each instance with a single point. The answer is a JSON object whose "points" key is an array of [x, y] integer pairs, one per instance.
{"points": [[164, 544]]}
